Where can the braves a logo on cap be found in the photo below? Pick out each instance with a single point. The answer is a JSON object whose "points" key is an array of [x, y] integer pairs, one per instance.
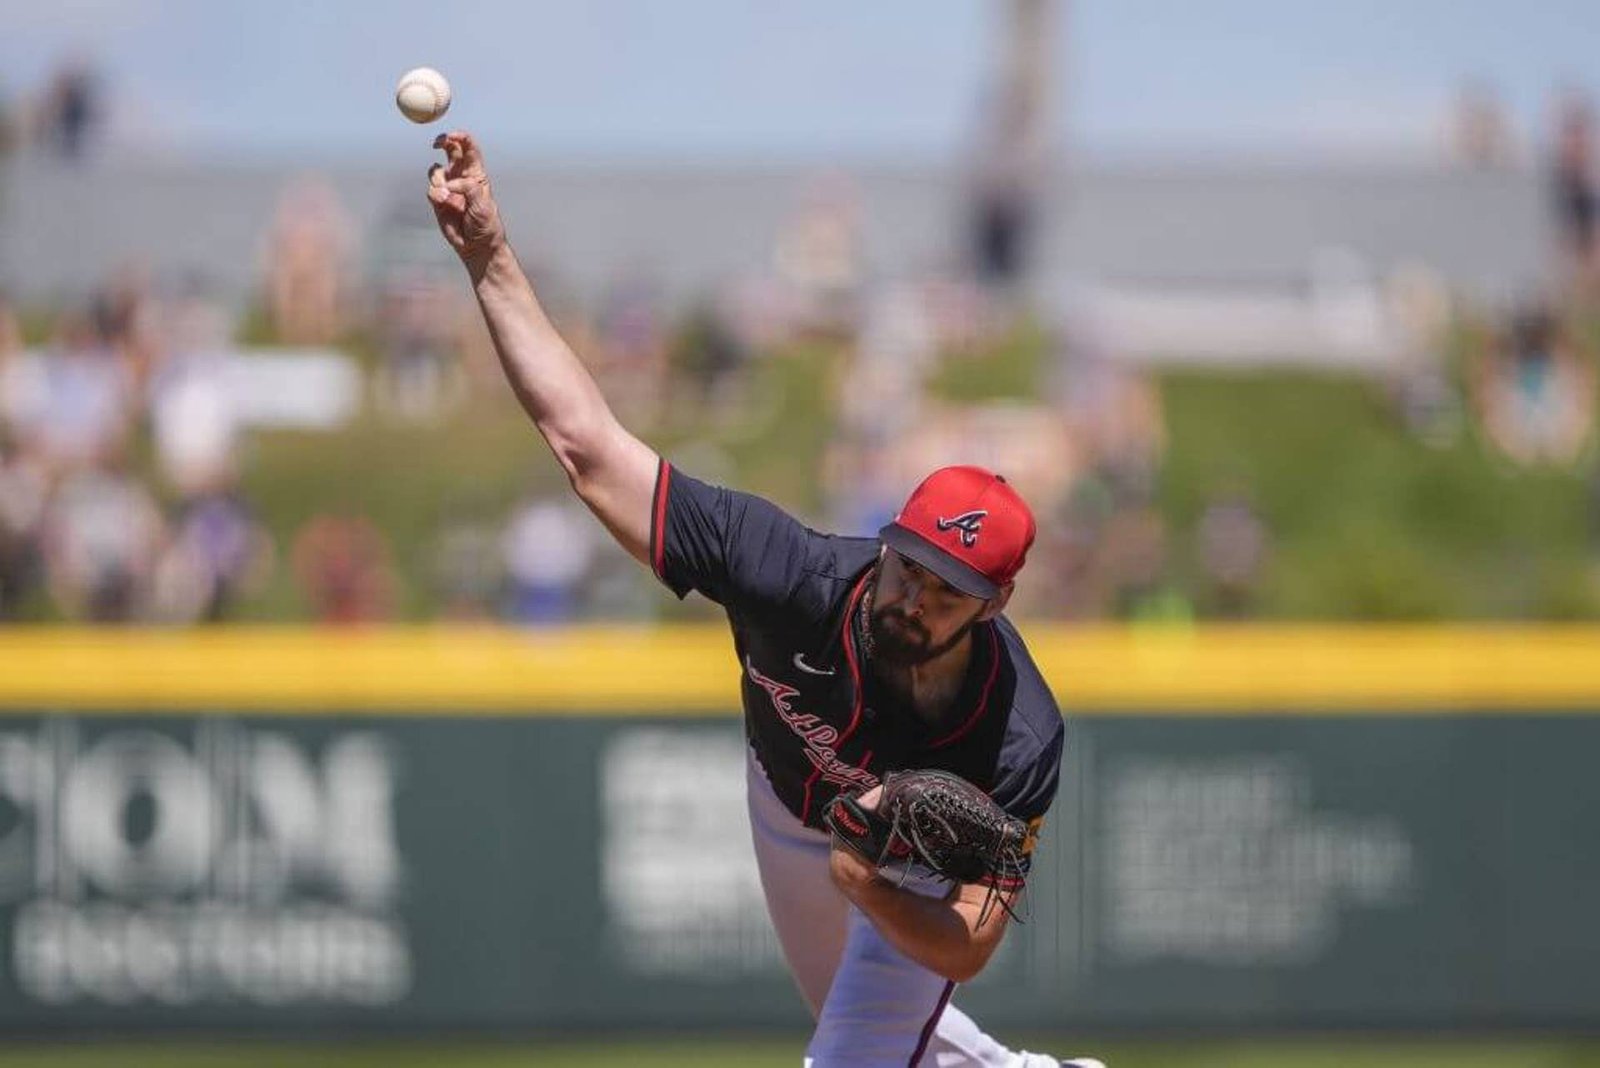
{"points": [[969, 523]]}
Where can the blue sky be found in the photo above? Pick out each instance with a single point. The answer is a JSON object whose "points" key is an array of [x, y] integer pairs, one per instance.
{"points": [[761, 78]]}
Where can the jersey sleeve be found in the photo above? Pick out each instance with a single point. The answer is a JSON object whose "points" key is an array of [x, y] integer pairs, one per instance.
{"points": [[732, 547], [1029, 790]]}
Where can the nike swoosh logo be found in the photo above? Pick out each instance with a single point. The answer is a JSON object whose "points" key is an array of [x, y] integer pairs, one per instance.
{"points": [[800, 662]]}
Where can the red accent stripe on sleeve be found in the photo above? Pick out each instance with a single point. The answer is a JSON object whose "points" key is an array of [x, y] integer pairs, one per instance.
{"points": [[848, 635], [658, 521], [1003, 883], [983, 701]]}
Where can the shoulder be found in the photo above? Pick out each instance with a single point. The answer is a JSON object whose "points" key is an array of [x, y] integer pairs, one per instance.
{"points": [[828, 566], [1027, 770], [836, 558], [1035, 721]]}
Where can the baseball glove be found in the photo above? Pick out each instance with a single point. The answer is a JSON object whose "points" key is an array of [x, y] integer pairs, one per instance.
{"points": [[940, 821]]}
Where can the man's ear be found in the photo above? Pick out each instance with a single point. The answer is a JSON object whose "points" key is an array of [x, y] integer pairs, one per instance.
{"points": [[996, 604]]}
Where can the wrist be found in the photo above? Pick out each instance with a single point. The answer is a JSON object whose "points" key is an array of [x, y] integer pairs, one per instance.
{"points": [[854, 875], [492, 260]]}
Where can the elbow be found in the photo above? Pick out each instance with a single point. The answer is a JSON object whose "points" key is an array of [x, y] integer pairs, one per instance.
{"points": [[974, 954], [967, 965], [963, 975], [581, 448], [580, 473]]}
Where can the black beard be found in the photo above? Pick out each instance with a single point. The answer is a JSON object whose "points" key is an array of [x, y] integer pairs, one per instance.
{"points": [[907, 644]]}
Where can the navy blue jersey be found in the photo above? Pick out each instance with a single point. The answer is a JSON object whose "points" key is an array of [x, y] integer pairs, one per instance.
{"points": [[817, 720]]}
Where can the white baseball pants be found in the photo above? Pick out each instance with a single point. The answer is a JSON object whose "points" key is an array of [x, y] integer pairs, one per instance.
{"points": [[874, 1006]]}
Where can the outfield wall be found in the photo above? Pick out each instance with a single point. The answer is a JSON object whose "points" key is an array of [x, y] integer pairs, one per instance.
{"points": [[446, 829]]}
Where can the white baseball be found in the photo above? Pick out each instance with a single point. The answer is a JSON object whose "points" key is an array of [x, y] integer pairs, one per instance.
{"points": [[422, 95]]}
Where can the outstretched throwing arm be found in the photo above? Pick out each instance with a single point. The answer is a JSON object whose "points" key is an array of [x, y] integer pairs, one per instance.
{"points": [[610, 469]]}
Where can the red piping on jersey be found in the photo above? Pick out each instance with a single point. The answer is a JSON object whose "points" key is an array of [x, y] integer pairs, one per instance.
{"points": [[927, 1028], [848, 634], [855, 677], [658, 522], [1004, 883], [983, 701]]}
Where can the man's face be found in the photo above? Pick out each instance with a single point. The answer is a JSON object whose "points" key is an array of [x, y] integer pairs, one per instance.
{"points": [[915, 615]]}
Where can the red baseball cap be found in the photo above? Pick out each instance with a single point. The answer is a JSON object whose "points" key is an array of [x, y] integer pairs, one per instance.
{"points": [[966, 525]]}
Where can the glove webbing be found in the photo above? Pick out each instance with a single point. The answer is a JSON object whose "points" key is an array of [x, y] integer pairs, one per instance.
{"points": [[1003, 864], [878, 841]]}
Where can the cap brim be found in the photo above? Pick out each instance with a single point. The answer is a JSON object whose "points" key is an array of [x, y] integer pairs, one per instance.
{"points": [[962, 576]]}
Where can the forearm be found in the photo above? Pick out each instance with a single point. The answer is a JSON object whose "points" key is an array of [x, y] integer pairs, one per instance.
{"points": [[937, 933], [611, 470], [550, 382]]}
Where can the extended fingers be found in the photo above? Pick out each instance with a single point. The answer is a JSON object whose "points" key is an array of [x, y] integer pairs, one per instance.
{"points": [[440, 182], [461, 150], [458, 190], [436, 184]]}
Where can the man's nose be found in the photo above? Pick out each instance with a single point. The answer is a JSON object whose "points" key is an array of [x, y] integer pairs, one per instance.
{"points": [[911, 604]]}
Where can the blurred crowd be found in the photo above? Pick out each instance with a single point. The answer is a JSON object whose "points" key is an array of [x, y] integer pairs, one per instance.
{"points": [[1524, 376], [64, 117], [125, 440], [122, 378]]}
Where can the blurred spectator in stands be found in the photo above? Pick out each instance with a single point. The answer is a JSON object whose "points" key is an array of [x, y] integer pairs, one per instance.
{"points": [[1480, 135], [193, 421], [879, 393], [1430, 405], [617, 588], [74, 400], [10, 126], [818, 256], [24, 492], [1536, 391], [70, 116], [1134, 551], [1003, 197], [468, 572], [1075, 584], [548, 547], [1115, 414], [1424, 392], [1011, 146], [16, 376], [345, 569], [861, 485], [1576, 199], [216, 553], [102, 533], [309, 249], [1233, 544], [708, 359], [630, 357], [419, 375], [964, 317], [127, 317], [10, 340]]}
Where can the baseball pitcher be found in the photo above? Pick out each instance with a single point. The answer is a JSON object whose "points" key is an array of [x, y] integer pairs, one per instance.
{"points": [[903, 747]]}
